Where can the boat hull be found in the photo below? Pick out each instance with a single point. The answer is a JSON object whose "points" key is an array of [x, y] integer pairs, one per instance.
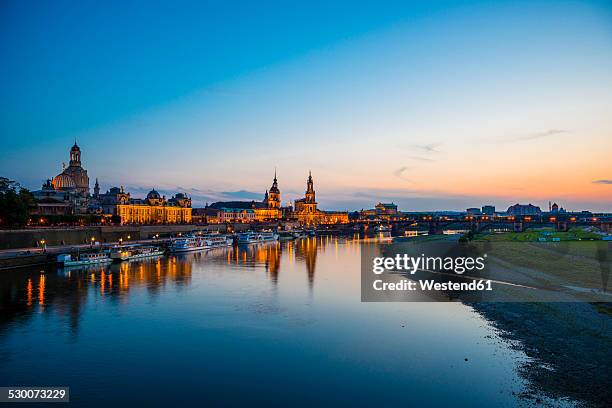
{"points": [[67, 264]]}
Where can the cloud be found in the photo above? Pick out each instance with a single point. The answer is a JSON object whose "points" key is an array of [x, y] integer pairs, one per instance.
{"points": [[427, 148], [540, 135], [399, 173], [422, 148], [603, 181]]}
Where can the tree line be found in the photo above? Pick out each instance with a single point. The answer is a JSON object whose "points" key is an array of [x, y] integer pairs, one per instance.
{"points": [[16, 203]]}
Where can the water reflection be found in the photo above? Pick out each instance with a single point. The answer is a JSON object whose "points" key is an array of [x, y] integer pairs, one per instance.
{"points": [[65, 291], [282, 313]]}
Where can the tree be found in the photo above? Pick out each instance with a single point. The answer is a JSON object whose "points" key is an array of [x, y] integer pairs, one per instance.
{"points": [[16, 203]]}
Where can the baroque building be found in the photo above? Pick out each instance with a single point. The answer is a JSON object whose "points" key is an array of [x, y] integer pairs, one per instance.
{"points": [[66, 193], [247, 211], [154, 209], [74, 176], [306, 212]]}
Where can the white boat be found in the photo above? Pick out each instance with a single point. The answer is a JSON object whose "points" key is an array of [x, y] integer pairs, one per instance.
{"points": [[382, 228], [218, 240], [255, 237], [89, 258], [188, 244], [119, 254]]}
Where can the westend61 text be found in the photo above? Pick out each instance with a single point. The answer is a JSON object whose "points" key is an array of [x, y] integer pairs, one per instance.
{"points": [[430, 285]]}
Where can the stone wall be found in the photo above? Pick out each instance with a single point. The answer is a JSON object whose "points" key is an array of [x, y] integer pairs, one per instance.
{"points": [[27, 238]]}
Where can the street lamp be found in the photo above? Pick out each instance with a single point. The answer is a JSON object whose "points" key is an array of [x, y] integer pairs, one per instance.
{"points": [[43, 243]]}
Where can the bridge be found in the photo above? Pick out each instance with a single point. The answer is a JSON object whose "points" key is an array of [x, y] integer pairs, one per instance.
{"points": [[438, 224]]}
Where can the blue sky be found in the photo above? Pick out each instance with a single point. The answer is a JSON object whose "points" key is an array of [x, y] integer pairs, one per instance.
{"points": [[424, 103]]}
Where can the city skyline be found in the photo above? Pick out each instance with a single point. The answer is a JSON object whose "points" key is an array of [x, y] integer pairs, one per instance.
{"points": [[430, 106]]}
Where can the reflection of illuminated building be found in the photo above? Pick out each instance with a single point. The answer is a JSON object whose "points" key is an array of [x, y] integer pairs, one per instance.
{"points": [[267, 254], [306, 250], [307, 213], [273, 261]]}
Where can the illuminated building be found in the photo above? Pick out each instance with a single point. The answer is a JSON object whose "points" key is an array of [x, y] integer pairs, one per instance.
{"points": [[305, 210], [74, 176], [266, 210], [155, 209], [66, 193], [382, 211], [240, 215]]}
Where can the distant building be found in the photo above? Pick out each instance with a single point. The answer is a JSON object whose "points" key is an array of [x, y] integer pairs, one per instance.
{"points": [[382, 211], [305, 210], [267, 209], [555, 209], [386, 208], [521, 209], [236, 215], [473, 211], [488, 209]]}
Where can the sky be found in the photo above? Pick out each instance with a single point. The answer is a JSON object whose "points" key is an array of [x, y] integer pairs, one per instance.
{"points": [[433, 105]]}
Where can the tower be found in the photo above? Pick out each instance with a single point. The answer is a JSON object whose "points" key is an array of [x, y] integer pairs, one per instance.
{"points": [[96, 189], [75, 156], [310, 193], [273, 196]]}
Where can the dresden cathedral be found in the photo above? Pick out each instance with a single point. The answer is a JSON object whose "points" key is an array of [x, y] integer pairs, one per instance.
{"points": [[306, 212]]}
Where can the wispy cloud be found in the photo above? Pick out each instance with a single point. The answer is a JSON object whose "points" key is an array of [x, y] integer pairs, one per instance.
{"points": [[543, 134], [603, 181], [427, 148], [400, 173]]}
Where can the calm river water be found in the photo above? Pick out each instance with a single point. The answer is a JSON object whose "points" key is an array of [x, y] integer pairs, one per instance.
{"points": [[275, 324]]}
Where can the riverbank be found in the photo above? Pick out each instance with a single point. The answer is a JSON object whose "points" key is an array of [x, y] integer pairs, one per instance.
{"points": [[568, 345]]}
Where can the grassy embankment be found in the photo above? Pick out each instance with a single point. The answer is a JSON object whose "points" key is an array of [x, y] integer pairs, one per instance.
{"points": [[580, 258]]}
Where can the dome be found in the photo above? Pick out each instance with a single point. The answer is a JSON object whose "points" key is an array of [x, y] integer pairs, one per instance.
{"points": [[75, 148], [63, 181], [153, 195]]}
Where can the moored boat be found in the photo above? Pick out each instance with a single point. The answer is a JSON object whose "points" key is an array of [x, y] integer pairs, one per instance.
{"points": [[218, 240], [89, 258], [188, 244], [255, 237], [128, 253]]}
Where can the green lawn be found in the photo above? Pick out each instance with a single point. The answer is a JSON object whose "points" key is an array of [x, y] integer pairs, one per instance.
{"points": [[533, 235]]}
